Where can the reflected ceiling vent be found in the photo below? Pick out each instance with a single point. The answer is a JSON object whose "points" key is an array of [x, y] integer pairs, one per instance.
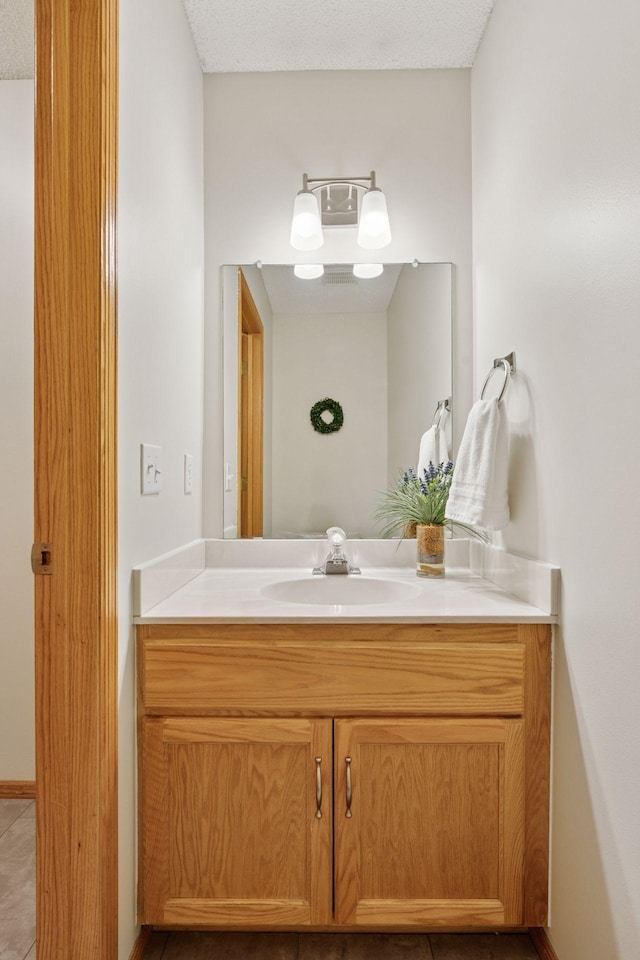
{"points": [[334, 277]]}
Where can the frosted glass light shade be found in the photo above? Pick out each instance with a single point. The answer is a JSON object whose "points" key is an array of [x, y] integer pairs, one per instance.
{"points": [[374, 230], [306, 228], [308, 271], [366, 271]]}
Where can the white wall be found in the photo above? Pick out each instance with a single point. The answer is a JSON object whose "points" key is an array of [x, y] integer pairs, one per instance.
{"points": [[556, 161], [17, 746], [230, 411], [262, 131], [419, 359], [323, 480], [160, 308]]}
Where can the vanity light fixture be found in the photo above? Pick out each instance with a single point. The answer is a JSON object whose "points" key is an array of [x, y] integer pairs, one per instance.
{"points": [[366, 271], [340, 204], [308, 271]]}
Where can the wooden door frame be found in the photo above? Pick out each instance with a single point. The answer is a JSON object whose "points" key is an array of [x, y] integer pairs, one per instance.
{"points": [[251, 416], [76, 640]]}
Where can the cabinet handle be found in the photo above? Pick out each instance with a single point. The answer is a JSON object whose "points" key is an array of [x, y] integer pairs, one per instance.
{"points": [[348, 814], [318, 789]]}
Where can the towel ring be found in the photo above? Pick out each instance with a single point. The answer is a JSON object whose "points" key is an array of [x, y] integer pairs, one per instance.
{"points": [[444, 406], [508, 365]]}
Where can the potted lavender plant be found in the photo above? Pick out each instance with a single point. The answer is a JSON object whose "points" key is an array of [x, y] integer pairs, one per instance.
{"points": [[415, 506]]}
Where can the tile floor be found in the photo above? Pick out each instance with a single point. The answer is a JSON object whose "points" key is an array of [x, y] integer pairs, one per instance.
{"points": [[17, 923], [339, 946], [17, 879]]}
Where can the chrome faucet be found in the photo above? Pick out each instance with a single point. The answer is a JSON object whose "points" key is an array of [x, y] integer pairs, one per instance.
{"points": [[336, 561]]}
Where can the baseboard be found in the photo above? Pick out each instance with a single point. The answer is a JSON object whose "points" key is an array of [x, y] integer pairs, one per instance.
{"points": [[17, 789], [141, 943], [538, 937], [542, 944]]}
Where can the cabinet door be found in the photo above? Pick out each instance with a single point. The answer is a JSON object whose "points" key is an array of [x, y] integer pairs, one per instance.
{"points": [[436, 829], [229, 828]]}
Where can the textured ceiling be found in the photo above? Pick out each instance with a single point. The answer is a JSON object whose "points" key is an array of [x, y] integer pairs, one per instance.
{"points": [[263, 35], [16, 39], [255, 35]]}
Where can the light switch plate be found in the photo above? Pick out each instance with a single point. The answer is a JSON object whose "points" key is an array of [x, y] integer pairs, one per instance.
{"points": [[188, 473], [150, 468]]}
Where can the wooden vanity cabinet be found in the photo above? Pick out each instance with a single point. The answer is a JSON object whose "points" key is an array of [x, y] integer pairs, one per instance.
{"points": [[383, 776], [231, 830], [436, 834]]}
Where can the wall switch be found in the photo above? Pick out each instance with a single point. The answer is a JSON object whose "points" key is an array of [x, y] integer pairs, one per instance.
{"points": [[150, 468], [188, 473]]}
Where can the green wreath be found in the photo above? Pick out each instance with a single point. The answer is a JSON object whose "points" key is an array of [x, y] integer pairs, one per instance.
{"points": [[326, 406]]}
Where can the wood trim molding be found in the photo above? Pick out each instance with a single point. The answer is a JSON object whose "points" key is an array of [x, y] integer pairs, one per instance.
{"points": [[250, 412], [17, 789], [537, 639], [542, 943], [249, 314], [75, 477], [141, 944]]}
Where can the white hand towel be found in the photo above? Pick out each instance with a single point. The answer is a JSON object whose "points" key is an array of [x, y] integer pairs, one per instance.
{"points": [[433, 447], [478, 493]]}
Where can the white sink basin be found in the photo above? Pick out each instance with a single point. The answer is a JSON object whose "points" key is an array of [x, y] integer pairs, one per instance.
{"points": [[336, 589]]}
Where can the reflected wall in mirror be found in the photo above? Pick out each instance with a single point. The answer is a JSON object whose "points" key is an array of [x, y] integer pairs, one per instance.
{"points": [[380, 347], [17, 698]]}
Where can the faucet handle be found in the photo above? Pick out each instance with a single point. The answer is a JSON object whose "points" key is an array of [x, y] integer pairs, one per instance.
{"points": [[336, 562], [337, 539]]}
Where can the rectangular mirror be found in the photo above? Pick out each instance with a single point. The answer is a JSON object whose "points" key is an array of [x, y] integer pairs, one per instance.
{"points": [[379, 348]]}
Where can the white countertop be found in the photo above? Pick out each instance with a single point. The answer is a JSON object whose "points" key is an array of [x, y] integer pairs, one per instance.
{"points": [[233, 595]]}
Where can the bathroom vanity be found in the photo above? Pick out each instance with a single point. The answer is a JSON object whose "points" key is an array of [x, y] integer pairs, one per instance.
{"points": [[300, 770]]}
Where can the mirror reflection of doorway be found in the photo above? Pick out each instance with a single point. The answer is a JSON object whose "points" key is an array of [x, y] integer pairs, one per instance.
{"points": [[250, 412]]}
